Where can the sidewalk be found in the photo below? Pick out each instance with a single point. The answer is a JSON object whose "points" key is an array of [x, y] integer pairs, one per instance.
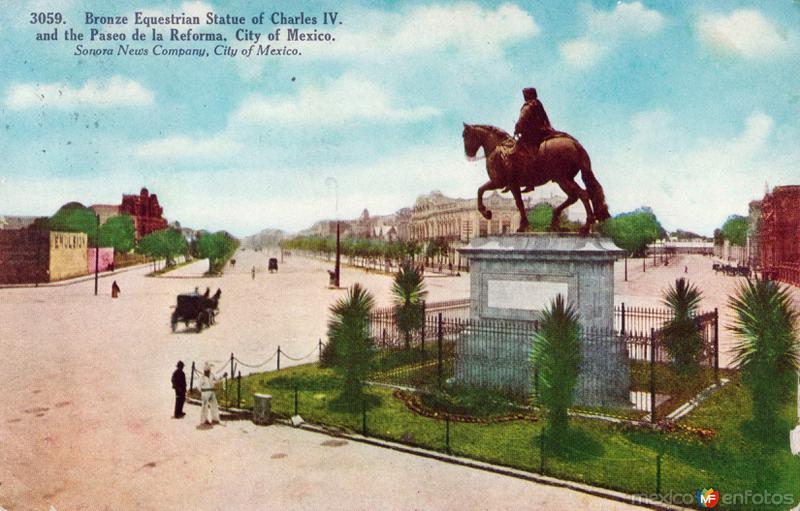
{"points": [[76, 280]]}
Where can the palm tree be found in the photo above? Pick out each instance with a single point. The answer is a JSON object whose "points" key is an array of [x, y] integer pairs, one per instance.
{"points": [[556, 357], [768, 352], [681, 334], [409, 291], [348, 335]]}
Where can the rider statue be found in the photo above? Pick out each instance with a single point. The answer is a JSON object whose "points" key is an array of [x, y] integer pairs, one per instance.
{"points": [[533, 127]]}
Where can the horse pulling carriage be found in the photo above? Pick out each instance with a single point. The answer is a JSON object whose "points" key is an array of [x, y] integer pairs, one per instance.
{"points": [[201, 309]]}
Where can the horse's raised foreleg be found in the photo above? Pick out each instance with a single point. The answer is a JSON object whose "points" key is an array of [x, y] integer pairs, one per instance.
{"points": [[574, 192], [523, 217], [488, 185]]}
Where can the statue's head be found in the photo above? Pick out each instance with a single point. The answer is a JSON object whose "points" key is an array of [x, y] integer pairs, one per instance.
{"points": [[529, 93]]}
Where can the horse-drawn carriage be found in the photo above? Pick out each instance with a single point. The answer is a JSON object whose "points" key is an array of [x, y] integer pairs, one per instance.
{"points": [[201, 309], [273, 264]]}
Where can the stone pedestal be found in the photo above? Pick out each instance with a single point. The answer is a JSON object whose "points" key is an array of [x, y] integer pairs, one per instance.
{"points": [[262, 409], [514, 277]]}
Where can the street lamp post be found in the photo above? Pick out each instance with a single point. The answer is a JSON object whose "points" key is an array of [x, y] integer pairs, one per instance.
{"points": [[336, 272], [96, 253]]}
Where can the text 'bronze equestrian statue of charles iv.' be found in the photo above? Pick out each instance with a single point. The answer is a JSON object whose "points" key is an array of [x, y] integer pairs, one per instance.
{"points": [[541, 154]]}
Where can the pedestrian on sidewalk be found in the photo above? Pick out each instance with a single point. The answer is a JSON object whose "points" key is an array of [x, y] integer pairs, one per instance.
{"points": [[253, 273], [207, 384], [114, 289], [179, 384]]}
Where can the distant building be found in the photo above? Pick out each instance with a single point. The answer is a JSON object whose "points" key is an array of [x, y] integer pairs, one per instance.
{"points": [[16, 222], [753, 244], [146, 212], [437, 216], [779, 238], [105, 211]]}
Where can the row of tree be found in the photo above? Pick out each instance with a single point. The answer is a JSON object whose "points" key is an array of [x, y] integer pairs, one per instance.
{"points": [[365, 250]]}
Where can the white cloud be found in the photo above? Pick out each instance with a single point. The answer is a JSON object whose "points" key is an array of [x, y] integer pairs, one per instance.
{"points": [[745, 33], [692, 183], [344, 99], [606, 30], [582, 52], [185, 148], [113, 92], [464, 26]]}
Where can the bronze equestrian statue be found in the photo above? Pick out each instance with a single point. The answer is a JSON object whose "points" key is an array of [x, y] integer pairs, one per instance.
{"points": [[541, 154]]}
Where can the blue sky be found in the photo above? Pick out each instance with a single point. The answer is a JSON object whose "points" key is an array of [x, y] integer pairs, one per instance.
{"points": [[689, 108]]}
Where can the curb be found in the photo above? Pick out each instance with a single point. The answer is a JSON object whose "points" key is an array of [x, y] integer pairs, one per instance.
{"points": [[625, 498]]}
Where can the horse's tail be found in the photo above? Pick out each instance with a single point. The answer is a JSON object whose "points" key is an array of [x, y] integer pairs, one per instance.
{"points": [[596, 195]]}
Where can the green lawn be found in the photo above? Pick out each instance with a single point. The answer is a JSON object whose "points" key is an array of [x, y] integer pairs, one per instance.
{"points": [[595, 452]]}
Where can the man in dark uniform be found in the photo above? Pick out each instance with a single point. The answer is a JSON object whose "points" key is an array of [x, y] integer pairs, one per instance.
{"points": [[179, 384]]}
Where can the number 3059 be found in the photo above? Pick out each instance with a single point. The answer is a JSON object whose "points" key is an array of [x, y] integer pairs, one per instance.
{"points": [[46, 18]]}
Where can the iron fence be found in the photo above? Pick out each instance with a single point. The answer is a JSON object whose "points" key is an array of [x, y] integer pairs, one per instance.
{"points": [[629, 371]]}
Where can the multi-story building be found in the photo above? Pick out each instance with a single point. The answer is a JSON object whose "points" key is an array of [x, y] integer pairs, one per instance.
{"points": [[147, 214], [780, 233], [437, 216]]}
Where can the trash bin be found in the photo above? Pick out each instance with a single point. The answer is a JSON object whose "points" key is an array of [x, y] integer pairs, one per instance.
{"points": [[262, 409]]}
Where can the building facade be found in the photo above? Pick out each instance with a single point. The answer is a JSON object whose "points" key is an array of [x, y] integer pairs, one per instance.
{"points": [[146, 212], [779, 237], [29, 256], [458, 220]]}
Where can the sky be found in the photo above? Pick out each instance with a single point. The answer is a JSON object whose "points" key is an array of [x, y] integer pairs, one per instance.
{"points": [[690, 108]]}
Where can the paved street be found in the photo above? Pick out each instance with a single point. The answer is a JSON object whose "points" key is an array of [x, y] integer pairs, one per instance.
{"points": [[85, 417]]}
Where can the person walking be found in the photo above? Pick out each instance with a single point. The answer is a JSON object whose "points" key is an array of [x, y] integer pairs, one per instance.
{"points": [[207, 384], [179, 384], [253, 273], [114, 289]]}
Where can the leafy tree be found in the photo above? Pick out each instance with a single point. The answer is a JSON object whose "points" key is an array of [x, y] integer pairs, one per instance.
{"points": [[348, 336], [118, 232], [408, 291], [634, 230], [164, 244], [681, 335], [75, 218], [735, 230], [217, 248], [556, 356], [541, 215], [768, 351]]}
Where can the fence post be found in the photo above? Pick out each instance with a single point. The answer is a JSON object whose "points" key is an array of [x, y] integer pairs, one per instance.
{"points": [[439, 339], [191, 378], [658, 474], [536, 384], [652, 375], [623, 319], [227, 401], [541, 452], [320, 350], [447, 433], [423, 323], [279, 358], [239, 389], [363, 416], [716, 345]]}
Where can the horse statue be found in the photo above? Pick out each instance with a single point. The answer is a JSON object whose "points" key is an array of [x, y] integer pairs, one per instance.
{"points": [[559, 159]]}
